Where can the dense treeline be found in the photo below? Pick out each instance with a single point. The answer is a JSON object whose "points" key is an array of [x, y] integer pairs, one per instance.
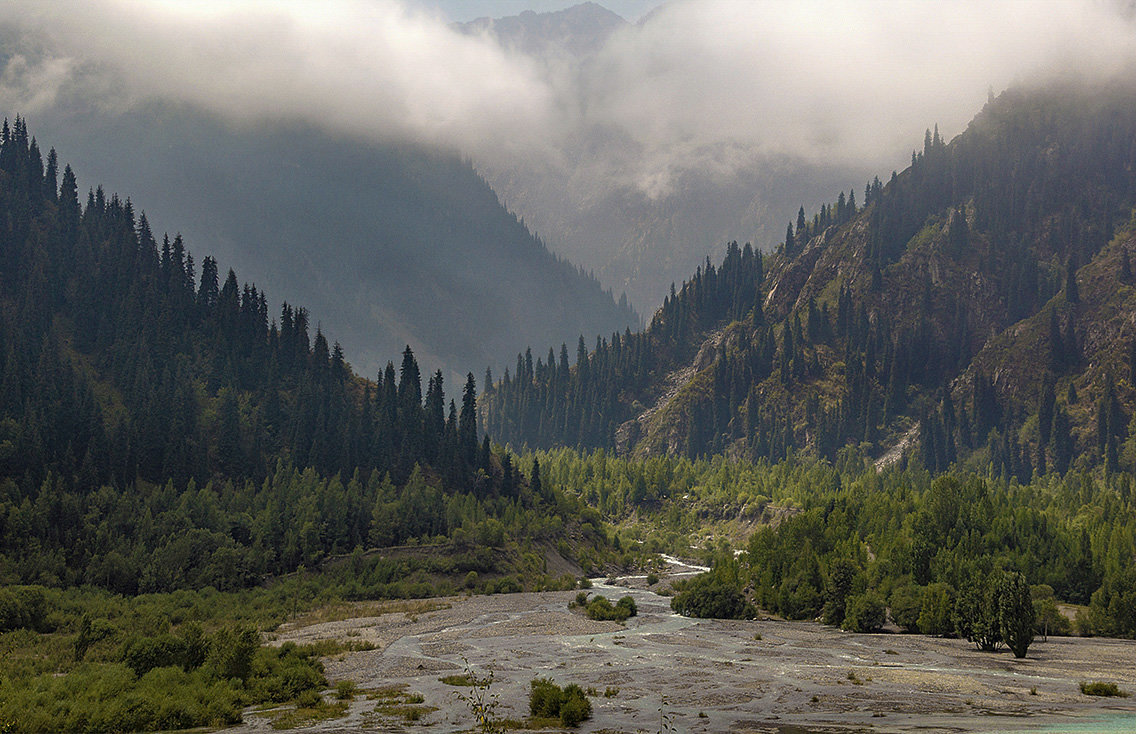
{"points": [[122, 362], [158, 430], [550, 403], [858, 327], [146, 538], [823, 537]]}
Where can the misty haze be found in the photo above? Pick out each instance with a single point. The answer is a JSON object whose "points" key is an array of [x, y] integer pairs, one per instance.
{"points": [[642, 365]]}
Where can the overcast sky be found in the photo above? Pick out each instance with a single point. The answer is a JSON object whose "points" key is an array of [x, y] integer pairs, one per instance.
{"points": [[463, 10], [702, 83]]}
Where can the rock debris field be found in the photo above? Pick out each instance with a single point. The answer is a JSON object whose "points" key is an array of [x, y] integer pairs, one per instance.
{"points": [[663, 672]]}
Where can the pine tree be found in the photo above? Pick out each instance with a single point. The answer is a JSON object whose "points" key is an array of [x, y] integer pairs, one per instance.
{"points": [[467, 425], [1071, 293]]}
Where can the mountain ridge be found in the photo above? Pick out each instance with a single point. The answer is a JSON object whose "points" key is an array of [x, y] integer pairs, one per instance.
{"points": [[870, 321]]}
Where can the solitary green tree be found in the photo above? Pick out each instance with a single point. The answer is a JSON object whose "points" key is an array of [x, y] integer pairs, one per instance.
{"points": [[1016, 613]]}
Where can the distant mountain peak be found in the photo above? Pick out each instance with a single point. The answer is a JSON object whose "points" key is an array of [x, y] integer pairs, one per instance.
{"points": [[579, 31]]}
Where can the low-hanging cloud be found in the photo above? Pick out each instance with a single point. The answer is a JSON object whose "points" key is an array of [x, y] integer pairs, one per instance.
{"points": [[368, 68], [699, 83], [850, 83]]}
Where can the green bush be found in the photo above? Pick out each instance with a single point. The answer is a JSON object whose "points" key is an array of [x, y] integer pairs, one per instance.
{"points": [[232, 652], [1101, 688], [545, 698], [936, 610], [706, 597], [548, 701], [865, 613], [23, 607], [906, 602], [599, 608], [575, 706], [143, 654]]}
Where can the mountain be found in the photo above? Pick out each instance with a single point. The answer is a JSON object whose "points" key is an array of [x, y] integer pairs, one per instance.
{"points": [[159, 430], [976, 308], [638, 233], [391, 244], [579, 31]]}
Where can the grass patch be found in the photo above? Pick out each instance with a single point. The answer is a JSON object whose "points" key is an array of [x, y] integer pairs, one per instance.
{"points": [[463, 679], [330, 648], [393, 702], [1102, 688], [341, 610], [345, 690], [298, 717]]}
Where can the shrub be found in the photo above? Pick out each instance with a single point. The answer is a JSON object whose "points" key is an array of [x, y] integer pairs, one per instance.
{"points": [[906, 602], [865, 613], [548, 700], [1101, 688], [23, 606], [708, 598], [232, 652], [143, 654], [544, 698], [575, 706], [599, 608], [936, 609], [345, 690], [652, 579]]}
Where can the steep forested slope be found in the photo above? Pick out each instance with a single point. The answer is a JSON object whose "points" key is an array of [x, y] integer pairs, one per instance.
{"points": [[389, 244], [160, 429], [906, 318]]}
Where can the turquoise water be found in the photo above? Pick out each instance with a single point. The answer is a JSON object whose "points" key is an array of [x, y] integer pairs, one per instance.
{"points": [[1104, 724]]}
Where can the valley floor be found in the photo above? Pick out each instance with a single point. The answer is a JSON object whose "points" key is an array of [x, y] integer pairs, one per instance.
{"points": [[711, 675]]}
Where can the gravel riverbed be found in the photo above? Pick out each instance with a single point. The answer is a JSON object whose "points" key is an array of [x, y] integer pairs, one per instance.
{"points": [[709, 675]]}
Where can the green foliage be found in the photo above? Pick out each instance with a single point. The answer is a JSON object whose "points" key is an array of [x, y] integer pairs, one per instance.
{"points": [[977, 611], [1050, 620], [599, 608], [575, 707], [713, 595], [545, 698], [1016, 613], [1102, 688], [865, 613], [548, 700], [232, 651], [23, 607], [157, 686], [850, 529], [906, 604], [935, 612]]}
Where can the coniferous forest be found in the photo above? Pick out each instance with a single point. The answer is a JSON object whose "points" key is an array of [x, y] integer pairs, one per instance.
{"points": [[916, 410]]}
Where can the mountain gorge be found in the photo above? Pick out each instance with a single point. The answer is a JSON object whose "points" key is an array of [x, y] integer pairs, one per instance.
{"points": [[639, 229], [388, 245], [974, 308]]}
